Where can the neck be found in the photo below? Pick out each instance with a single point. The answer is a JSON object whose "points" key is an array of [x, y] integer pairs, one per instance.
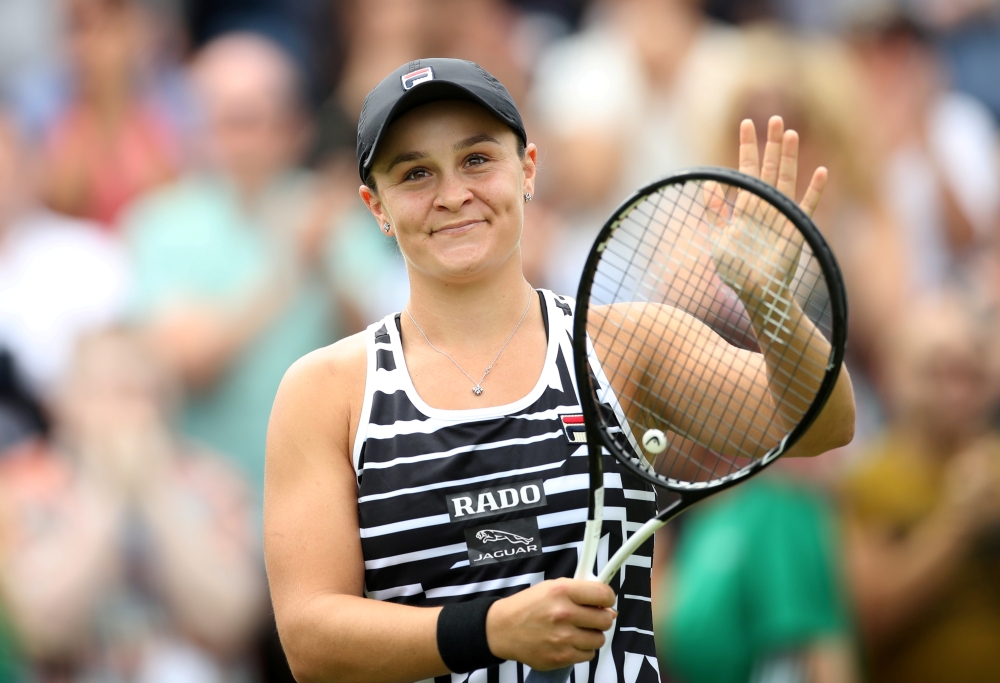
{"points": [[456, 315]]}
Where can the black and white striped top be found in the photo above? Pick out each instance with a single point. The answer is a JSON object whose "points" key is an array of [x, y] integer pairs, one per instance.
{"points": [[458, 504]]}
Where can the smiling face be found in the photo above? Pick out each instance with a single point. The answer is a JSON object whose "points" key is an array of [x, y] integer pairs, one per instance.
{"points": [[450, 182]]}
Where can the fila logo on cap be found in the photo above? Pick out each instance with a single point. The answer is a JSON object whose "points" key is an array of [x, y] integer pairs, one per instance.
{"points": [[575, 430], [416, 77]]}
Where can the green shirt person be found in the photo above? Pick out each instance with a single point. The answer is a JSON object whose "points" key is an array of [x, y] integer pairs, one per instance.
{"points": [[755, 593], [10, 671], [198, 248]]}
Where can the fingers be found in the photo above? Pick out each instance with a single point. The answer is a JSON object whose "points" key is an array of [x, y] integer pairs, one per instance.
{"points": [[788, 166], [715, 202], [772, 150], [592, 593], [811, 199], [749, 154], [780, 165]]}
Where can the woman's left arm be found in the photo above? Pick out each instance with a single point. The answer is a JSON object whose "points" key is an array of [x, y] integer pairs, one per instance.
{"points": [[725, 398]]}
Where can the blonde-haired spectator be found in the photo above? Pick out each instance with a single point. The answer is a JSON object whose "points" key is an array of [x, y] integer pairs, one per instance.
{"points": [[815, 84]]}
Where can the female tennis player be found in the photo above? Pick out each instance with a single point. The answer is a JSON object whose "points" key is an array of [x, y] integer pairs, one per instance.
{"points": [[426, 486]]}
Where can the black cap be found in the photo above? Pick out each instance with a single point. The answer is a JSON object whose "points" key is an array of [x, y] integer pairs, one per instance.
{"points": [[428, 80]]}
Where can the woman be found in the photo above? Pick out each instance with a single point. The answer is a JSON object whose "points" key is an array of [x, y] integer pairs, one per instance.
{"points": [[425, 462]]}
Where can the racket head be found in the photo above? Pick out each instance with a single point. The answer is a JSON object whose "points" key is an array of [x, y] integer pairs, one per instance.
{"points": [[661, 248]]}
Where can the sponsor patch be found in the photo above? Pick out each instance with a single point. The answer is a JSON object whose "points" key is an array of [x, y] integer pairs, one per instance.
{"points": [[574, 428], [503, 541], [496, 500], [417, 77]]}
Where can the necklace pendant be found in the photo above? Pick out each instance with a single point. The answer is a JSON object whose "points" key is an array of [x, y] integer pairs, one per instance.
{"points": [[477, 390]]}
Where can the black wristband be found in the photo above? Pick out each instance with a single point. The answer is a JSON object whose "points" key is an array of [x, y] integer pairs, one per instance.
{"points": [[461, 636]]}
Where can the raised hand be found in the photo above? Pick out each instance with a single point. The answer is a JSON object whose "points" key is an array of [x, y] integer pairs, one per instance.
{"points": [[759, 249]]}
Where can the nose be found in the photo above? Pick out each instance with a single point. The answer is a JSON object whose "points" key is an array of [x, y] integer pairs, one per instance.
{"points": [[453, 193]]}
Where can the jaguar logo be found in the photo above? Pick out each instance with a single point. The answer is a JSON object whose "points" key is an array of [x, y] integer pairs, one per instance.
{"points": [[512, 539], [489, 535]]}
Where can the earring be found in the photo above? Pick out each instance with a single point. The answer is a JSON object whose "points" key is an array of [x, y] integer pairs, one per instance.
{"points": [[385, 228], [527, 197]]}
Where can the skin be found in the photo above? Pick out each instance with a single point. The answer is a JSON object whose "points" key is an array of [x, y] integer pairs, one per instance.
{"points": [[450, 184]]}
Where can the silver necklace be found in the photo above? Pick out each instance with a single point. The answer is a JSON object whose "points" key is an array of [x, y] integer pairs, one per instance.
{"points": [[477, 389]]}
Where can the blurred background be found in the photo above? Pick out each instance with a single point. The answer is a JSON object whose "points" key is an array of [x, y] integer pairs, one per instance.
{"points": [[179, 221]]}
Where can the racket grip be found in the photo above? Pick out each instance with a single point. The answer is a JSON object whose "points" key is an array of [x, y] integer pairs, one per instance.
{"points": [[553, 676]]}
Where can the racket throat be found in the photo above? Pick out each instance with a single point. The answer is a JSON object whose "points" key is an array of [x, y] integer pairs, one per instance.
{"points": [[641, 535], [591, 538]]}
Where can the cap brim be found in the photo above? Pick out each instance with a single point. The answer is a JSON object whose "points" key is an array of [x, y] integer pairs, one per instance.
{"points": [[425, 93]]}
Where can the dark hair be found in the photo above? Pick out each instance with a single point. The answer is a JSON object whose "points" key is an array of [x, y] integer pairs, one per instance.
{"points": [[370, 178]]}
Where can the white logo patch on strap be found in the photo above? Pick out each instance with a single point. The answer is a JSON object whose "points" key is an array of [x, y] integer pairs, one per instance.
{"points": [[416, 77]]}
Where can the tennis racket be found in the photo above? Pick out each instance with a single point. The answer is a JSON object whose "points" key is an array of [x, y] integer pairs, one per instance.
{"points": [[709, 332]]}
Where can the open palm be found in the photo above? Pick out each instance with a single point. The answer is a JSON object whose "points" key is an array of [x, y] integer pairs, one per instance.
{"points": [[758, 249]]}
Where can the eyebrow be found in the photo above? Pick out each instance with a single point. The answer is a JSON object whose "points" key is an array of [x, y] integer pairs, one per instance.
{"points": [[475, 140], [404, 157]]}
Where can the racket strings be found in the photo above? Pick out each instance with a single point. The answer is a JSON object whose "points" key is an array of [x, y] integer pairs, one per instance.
{"points": [[674, 251]]}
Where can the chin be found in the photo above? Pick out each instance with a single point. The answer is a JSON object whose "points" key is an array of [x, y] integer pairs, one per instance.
{"points": [[462, 263]]}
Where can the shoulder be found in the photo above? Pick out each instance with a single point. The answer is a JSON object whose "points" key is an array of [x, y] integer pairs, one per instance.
{"points": [[325, 387], [315, 413], [342, 361]]}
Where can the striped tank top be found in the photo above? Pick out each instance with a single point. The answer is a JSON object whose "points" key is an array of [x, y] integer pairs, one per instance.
{"points": [[459, 504]]}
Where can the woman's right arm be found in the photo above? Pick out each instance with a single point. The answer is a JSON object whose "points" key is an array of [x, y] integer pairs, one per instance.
{"points": [[315, 565]]}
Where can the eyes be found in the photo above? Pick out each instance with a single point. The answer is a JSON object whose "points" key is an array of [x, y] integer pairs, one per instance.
{"points": [[473, 161]]}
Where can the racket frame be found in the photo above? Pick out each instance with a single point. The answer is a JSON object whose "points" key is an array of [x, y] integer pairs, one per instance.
{"points": [[581, 360], [598, 438]]}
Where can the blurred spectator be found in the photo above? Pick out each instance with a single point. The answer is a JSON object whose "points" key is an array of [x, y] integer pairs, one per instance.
{"points": [[942, 174], [923, 509], [229, 261], [127, 555], [815, 86], [754, 593], [59, 278], [9, 665], [21, 415], [481, 31], [625, 102], [304, 28], [970, 39], [382, 35], [28, 30], [113, 139], [569, 12]]}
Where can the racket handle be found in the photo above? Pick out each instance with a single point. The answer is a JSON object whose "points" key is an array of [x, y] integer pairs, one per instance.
{"points": [[553, 676], [613, 565]]}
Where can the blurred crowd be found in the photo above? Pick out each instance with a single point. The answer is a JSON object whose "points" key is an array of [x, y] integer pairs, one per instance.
{"points": [[179, 222]]}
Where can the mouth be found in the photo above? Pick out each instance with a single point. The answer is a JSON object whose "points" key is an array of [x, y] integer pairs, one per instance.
{"points": [[457, 228]]}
